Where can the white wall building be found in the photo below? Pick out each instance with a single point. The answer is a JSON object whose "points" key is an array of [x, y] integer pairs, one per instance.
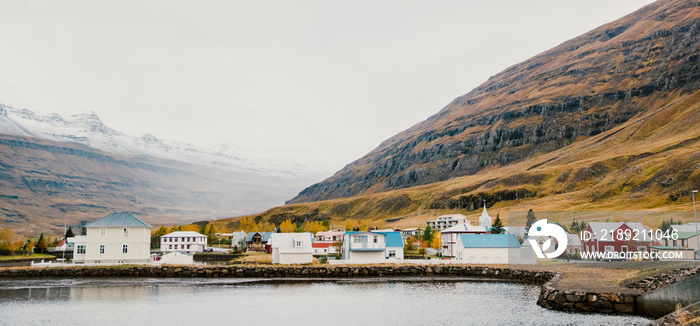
{"points": [[291, 248], [183, 241], [445, 221], [118, 238], [492, 249], [449, 238], [372, 247]]}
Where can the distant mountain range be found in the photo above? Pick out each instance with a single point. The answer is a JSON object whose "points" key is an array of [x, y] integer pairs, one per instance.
{"points": [[606, 121], [87, 129], [56, 170]]}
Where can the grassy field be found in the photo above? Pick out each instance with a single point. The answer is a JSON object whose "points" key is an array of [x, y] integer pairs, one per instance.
{"points": [[23, 257]]}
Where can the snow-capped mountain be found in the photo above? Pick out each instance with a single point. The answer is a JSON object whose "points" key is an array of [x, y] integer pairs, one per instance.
{"points": [[88, 129]]}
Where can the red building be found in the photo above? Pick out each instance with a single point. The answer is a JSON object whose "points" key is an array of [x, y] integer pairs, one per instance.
{"points": [[619, 237]]}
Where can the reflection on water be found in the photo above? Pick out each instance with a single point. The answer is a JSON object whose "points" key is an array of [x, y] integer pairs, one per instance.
{"points": [[275, 302]]}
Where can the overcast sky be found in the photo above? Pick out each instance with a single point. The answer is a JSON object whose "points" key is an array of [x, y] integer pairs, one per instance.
{"points": [[327, 80]]}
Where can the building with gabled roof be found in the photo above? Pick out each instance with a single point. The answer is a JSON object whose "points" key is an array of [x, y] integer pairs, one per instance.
{"points": [[118, 238], [490, 249], [449, 238], [372, 247], [620, 237], [291, 248], [257, 241]]}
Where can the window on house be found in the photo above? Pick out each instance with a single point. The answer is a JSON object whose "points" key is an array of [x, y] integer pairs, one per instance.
{"points": [[375, 239], [297, 243], [392, 253], [624, 249], [80, 249], [125, 249], [170, 246], [126, 232], [102, 249], [188, 246], [642, 248], [175, 239], [609, 248], [103, 232]]}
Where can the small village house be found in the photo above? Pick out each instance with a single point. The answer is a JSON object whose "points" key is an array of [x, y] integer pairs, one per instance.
{"points": [[118, 238], [183, 241], [257, 241], [372, 247], [291, 248], [488, 249], [328, 236], [449, 238], [617, 237]]}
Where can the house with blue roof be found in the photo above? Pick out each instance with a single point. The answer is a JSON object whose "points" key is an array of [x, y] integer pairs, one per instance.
{"points": [[118, 238], [368, 247], [489, 249], [258, 241]]}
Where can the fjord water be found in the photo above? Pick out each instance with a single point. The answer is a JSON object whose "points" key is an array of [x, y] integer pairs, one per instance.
{"points": [[286, 302]]}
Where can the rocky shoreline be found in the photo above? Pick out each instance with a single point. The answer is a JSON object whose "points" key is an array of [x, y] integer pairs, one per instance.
{"points": [[537, 277]]}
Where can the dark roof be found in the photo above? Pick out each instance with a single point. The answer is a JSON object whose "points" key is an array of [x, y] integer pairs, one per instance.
{"points": [[119, 219]]}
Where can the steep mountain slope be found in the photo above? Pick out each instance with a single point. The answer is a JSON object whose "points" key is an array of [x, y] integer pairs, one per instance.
{"points": [[44, 184], [597, 84]]}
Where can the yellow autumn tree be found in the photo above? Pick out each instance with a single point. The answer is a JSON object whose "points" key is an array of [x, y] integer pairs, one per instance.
{"points": [[189, 227], [315, 227], [350, 225], [265, 227], [287, 226], [248, 224], [436, 242]]}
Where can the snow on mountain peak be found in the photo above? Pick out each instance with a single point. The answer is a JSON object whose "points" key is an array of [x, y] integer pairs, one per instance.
{"points": [[88, 129]]}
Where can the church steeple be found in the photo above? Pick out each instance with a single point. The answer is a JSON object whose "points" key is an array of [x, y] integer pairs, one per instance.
{"points": [[485, 219]]}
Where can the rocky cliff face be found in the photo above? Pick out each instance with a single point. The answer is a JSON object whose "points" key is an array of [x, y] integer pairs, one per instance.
{"points": [[590, 85]]}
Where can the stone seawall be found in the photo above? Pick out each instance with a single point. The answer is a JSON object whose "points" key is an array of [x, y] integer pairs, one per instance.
{"points": [[537, 277], [579, 301], [551, 297]]}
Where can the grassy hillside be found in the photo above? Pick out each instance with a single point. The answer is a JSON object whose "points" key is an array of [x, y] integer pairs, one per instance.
{"points": [[648, 163]]}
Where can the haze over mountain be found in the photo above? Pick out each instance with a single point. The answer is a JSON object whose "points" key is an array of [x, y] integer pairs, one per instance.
{"points": [[58, 170], [607, 120]]}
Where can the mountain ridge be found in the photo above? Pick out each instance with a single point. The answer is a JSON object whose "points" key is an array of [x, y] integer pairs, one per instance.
{"points": [[580, 88], [88, 129]]}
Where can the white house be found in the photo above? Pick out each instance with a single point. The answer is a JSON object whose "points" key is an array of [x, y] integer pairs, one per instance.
{"points": [[491, 249], [183, 241], [329, 236], [238, 239], [118, 238], [445, 221], [291, 248], [372, 247], [449, 238]]}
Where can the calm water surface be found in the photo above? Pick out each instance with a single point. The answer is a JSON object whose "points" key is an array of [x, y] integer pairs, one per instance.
{"points": [[260, 302]]}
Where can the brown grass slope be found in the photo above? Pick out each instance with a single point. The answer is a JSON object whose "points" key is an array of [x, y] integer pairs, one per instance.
{"points": [[592, 84], [606, 121]]}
